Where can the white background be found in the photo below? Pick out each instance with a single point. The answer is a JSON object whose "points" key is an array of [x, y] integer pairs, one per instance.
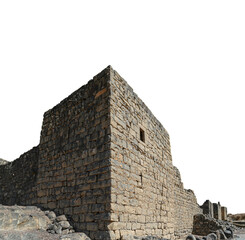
{"points": [[184, 59]]}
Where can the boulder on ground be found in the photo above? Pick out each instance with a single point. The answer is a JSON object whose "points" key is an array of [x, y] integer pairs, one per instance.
{"points": [[22, 218]]}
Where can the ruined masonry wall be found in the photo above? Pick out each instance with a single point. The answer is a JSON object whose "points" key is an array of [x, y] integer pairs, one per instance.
{"points": [[185, 207], [18, 179], [92, 165], [74, 166], [147, 194]]}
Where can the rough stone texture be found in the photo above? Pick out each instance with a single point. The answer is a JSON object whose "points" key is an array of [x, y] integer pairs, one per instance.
{"points": [[18, 179], [75, 236], [224, 213], [207, 208], [74, 161], [147, 195], [22, 218], [105, 161], [217, 210], [204, 225], [40, 235]]}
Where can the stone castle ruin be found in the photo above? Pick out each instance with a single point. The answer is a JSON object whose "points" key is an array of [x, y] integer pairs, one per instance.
{"points": [[105, 161]]}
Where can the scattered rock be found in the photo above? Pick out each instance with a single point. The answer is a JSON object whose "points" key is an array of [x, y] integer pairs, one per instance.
{"points": [[229, 233], [211, 236], [51, 215], [204, 224], [59, 224], [130, 237], [190, 237], [75, 236], [22, 218], [220, 234], [61, 218], [65, 224]]}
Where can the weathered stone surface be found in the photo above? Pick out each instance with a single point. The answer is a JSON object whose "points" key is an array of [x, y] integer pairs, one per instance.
{"points": [[105, 162], [207, 208], [211, 236], [190, 237], [18, 179], [204, 225], [61, 218], [27, 235], [149, 195], [217, 211], [51, 215], [224, 213], [22, 218], [75, 236]]}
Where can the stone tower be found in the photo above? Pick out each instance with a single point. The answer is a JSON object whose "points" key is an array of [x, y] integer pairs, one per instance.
{"points": [[104, 160]]}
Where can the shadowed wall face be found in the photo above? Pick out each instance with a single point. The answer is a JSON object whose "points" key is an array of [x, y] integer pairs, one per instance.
{"points": [[207, 208], [18, 179], [74, 166], [217, 210]]}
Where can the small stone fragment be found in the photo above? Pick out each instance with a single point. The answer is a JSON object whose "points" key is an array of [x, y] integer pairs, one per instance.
{"points": [[51, 215], [61, 218], [65, 224], [190, 237], [212, 236]]}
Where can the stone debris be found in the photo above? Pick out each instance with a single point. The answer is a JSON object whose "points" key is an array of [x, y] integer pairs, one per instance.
{"points": [[204, 225], [22, 218], [130, 237], [211, 236], [59, 224], [31, 223], [75, 236]]}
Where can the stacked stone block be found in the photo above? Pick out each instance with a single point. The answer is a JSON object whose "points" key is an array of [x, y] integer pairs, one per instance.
{"points": [[105, 161], [217, 210], [18, 179], [224, 213], [207, 208], [74, 168], [147, 194], [185, 207]]}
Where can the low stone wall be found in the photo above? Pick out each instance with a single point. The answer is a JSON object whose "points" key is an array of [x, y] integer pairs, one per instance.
{"points": [[18, 179]]}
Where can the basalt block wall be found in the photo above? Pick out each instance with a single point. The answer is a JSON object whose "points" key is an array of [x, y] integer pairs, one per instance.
{"points": [[105, 161], [147, 196], [74, 158], [18, 179]]}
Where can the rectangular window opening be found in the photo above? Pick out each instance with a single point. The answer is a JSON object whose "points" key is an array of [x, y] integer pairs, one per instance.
{"points": [[142, 135]]}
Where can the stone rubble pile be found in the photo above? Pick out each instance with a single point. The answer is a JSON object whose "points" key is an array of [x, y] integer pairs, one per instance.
{"points": [[129, 237], [59, 224], [31, 223], [211, 228]]}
